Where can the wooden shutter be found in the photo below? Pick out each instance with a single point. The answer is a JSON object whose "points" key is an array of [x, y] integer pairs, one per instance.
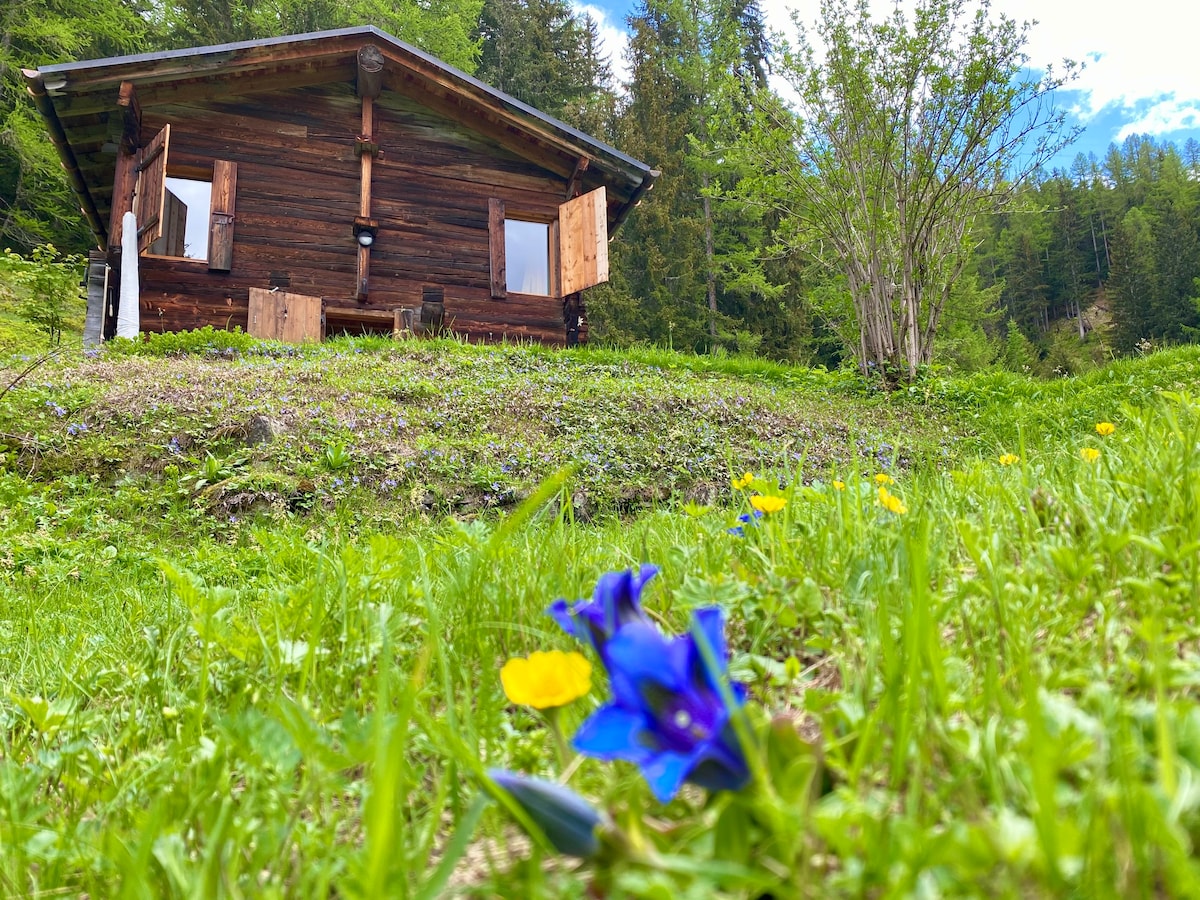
{"points": [[151, 191], [220, 216], [499, 276], [171, 242], [583, 241]]}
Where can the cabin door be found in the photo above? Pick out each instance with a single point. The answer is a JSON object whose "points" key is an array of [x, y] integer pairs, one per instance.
{"points": [[280, 316]]}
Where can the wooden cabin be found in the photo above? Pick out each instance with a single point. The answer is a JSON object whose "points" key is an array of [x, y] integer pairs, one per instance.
{"points": [[338, 181]]}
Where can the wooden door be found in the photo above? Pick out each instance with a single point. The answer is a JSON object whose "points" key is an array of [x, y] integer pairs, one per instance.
{"points": [[280, 316]]}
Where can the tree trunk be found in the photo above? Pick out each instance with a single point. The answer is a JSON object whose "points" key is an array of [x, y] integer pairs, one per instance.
{"points": [[710, 275]]}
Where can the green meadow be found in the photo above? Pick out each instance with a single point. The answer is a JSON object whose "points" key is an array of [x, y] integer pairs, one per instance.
{"points": [[255, 599]]}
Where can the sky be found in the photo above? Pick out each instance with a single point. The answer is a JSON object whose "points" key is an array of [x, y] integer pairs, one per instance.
{"points": [[1141, 71]]}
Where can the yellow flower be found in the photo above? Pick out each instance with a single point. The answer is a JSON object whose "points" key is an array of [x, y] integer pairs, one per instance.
{"points": [[767, 504], [1090, 454], [891, 502], [740, 484], [1104, 429], [1007, 459], [546, 679], [884, 478], [839, 485]]}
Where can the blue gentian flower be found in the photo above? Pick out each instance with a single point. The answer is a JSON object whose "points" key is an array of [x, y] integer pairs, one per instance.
{"points": [[749, 518], [568, 821], [617, 601], [667, 714]]}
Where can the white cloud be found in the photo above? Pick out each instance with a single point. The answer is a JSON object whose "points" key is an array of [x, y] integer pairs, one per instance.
{"points": [[613, 38], [1164, 117], [1140, 61]]}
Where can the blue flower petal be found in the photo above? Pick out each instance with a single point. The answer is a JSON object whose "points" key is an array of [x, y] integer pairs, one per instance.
{"points": [[615, 603], [638, 657], [722, 766], [665, 773], [561, 612], [612, 732], [619, 594]]}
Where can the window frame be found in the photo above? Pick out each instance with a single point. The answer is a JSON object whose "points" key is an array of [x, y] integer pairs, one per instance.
{"points": [[587, 245], [222, 175], [194, 174]]}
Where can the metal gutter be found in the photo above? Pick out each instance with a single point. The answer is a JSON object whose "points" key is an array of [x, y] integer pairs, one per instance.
{"points": [[634, 199], [41, 99]]}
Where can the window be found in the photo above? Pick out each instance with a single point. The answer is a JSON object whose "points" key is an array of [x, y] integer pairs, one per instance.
{"points": [[185, 219], [527, 257], [549, 259], [188, 218]]}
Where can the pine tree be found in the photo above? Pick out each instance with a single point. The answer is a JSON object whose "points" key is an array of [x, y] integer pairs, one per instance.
{"points": [[1132, 284], [444, 28], [537, 51], [36, 204], [695, 65]]}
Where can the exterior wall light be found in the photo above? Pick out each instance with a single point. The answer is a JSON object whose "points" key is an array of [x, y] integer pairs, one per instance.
{"points": [[365, 231]]}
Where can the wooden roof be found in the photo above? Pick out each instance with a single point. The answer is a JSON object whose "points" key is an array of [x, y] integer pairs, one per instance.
{"points": [[79, 103]]}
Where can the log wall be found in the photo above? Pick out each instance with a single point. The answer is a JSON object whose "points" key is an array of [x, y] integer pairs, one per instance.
{"points": [[298, 194]]}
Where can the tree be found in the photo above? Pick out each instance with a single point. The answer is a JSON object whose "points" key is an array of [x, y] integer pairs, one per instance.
{"points": [[441, 27], [902, 134], [36, 204], [1133, 283], [693, 258]]}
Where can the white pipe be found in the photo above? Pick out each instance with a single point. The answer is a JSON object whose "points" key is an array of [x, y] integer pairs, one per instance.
{"points": [[128, 313]]}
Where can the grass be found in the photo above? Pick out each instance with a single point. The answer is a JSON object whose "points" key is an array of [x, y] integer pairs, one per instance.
{"points": [[256, 670]]}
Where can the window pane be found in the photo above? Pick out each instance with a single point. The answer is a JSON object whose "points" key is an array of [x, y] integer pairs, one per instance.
{"points": [[527, 257], [197, 197]]}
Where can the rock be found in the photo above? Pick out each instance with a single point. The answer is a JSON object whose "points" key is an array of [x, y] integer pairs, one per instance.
{"points": [[263, 430]]}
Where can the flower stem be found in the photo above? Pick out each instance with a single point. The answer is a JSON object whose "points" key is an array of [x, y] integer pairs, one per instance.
{"points": [[554, 721]]}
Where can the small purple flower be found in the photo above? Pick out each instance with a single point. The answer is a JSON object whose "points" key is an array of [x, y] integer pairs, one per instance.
{"points": [[76, 428], [616, 601], [668, 715]]}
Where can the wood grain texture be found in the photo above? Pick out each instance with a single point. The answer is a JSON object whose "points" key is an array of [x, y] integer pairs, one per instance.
{"points": [[583, 242], [221, 215], [150, 194], [297, 179], [283, 316]]}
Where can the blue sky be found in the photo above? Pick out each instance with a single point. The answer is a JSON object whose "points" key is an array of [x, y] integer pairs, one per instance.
{"points": [[1141, 70]]}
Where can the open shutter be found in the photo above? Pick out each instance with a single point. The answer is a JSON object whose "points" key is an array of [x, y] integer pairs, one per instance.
{"points": [[499, 275], [151, 191], [172, 242], [220, 217], [583, 241]]}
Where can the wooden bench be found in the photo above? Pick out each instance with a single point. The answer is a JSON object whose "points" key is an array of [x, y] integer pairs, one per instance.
{"points": [[376, 319]]}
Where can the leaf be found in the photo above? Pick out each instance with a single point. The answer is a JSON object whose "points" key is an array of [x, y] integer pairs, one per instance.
{"points": [[455, 848], [731, 837]]}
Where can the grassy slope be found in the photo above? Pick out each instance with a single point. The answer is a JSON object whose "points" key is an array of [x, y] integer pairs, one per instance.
{"points": [[194, 652]]}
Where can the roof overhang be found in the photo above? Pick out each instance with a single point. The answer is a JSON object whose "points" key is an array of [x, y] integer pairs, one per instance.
{"points": [[78, 100]]}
